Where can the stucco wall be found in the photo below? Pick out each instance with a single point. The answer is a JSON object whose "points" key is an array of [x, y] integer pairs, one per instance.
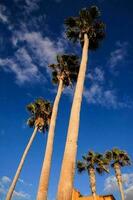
{"points": [[76, 196]]}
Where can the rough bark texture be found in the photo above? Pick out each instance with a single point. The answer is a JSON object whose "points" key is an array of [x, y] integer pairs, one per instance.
{"points": [[13, 184], [45, 173], [65, 186], [119, 180], [93, 183]]}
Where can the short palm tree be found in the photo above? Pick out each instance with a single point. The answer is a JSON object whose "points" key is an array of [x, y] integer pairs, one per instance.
{"points": [[89, 31], [93, 162], [40, 111], [118, 158], [64, 73]]}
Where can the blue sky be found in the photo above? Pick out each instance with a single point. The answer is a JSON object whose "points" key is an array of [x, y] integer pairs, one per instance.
{"points": [[31, 34]]}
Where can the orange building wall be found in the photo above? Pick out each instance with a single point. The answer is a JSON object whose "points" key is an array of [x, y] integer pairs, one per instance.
{"points": [[76, 196]]}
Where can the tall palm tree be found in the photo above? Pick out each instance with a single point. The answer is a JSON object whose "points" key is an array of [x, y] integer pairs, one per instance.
{"points": [[40, 111], [118, 158], [87, 29], [64, 73], [93, 162]]}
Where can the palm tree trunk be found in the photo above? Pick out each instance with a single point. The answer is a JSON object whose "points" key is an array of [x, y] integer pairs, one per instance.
{"points": [[119, 180], [65, 186], [93, 182], [45, 173], [13, 184]]}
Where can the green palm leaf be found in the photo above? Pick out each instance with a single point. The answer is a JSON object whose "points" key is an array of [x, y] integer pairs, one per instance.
{"points": [[40, 108]]}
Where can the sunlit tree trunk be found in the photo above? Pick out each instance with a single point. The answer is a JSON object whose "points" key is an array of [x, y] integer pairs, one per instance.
{"points": [[92, 182], [119, 180], [65, 186], [45, 173], [13, 184]]}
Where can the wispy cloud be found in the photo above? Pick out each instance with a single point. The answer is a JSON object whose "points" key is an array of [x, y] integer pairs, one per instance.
{"points": [[31, 5], [111, 185], [129, 193], [28, 6], [118, 55], [5, 180], [34, 52], [43, 48], [24, 183], [20, 195], [3, 14], [69, 91], [17, 195], [96, 75], [99, 93], [22, 66]]}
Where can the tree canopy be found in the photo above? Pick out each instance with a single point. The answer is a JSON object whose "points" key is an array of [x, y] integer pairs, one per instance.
{"points": [[93, 160], [87, 22], [66, 68], [42, 109], [117, 156]]}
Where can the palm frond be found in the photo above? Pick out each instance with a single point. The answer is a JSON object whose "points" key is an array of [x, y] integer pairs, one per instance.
{"points": [[81, 166], [67, 68], [94, 12], [87, 22], [71, 22], [41, 110]]}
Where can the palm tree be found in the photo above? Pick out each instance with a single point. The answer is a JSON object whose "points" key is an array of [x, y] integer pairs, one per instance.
{"points": [[118, 158], [40, 111], [93, 162], [64, 74], [87, 29]]}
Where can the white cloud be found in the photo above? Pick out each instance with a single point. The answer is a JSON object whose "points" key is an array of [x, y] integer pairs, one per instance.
{"points": [[118, 55], [69, 91], [20, 195], [36, 52], [28, 5], [43, 48], [98, 95], [5, 180], [3, 16], [96, 75], [32, 5], [111, 186], [17, 195], [22, 66], [24, 183], [129, 193]]}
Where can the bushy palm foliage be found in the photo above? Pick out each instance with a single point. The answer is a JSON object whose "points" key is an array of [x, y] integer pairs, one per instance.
{"points": [[87, 22], [42, 109], [119, 157], [93, 160], [66, 68]]}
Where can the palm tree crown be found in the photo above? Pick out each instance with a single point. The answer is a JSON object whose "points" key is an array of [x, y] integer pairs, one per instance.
{"points": [[67, 69], [87, 22], [40, 109], [93, 160], [117, 156]]}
